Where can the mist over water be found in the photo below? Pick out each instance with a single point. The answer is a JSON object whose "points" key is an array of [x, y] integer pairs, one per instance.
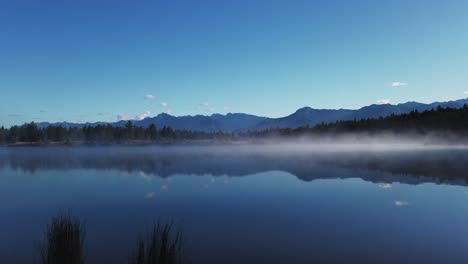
{"points": [[379, 141], [290, 202], [301, 159]]}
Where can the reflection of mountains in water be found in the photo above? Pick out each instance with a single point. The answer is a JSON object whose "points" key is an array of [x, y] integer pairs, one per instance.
{"points": [[412, 167]]}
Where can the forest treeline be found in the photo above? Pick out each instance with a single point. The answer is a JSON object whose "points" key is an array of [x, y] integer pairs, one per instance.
{"points": [[452, 121], [103, 134], [441, 121]]}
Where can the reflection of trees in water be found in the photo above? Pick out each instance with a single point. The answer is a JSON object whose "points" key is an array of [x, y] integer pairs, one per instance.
{"points": [[400, 166], [443, 166]]}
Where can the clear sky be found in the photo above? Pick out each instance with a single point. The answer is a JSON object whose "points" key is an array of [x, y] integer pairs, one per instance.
{"points": [[102, 60]]}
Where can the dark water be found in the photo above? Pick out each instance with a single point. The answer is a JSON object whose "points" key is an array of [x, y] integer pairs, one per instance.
{"points": [[241, 204]]}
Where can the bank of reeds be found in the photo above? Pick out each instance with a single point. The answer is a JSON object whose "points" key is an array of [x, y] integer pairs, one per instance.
{"points": [[64, 241], [162, 244]]}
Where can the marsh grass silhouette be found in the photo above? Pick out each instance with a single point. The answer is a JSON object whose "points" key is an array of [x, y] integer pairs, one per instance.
{"points": [[161, 245], [65, 235], [64, 241]]}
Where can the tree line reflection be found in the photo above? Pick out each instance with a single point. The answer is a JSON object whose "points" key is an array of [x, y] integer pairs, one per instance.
{"points": [[412, 167]]}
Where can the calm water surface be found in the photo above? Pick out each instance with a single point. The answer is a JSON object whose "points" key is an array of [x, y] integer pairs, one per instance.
{"points": [[243, 205]]}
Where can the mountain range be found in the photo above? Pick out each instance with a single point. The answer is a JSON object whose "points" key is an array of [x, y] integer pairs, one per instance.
{"points": [[238, 122]]}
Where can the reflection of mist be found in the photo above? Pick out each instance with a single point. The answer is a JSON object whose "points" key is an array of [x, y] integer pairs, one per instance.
{"points": [[434, 164], [400, 203], [144, 176], [149, 195], [384, 185]]}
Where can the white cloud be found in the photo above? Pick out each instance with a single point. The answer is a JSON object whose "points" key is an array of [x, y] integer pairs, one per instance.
{"points": [[149, 97], [169, 111], [205, 107], [164, 104], [400, 203], [143, 115], [123, 117], [226, 108], [466, 92], [384, 101], [384, 185], [399, 84]]}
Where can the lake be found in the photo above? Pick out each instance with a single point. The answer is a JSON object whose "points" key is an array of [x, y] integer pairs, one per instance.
{"points": [[241, 204]]}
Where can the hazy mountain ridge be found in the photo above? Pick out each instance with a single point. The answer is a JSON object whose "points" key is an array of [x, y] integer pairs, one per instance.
{"points": [[237, 122]]}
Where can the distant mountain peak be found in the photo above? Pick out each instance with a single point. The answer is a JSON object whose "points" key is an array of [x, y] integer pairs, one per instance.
{"points": [[305, 109], [236, 122], [165, 115]]}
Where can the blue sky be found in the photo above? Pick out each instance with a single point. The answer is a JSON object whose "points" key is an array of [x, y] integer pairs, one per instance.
{"points": [[83, 61]]}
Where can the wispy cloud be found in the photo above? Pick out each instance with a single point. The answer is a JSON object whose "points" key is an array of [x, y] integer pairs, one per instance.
{"points": [[384, 101], [149, 97], [164, 104], [399, 84], [123, 117], [400, 203], [143, 115], [466, 92], [205, 107]]}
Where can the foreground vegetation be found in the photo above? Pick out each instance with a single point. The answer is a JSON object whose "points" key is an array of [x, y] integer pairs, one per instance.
{"points": [[162, 245], [443, 121], [64, 243]]}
